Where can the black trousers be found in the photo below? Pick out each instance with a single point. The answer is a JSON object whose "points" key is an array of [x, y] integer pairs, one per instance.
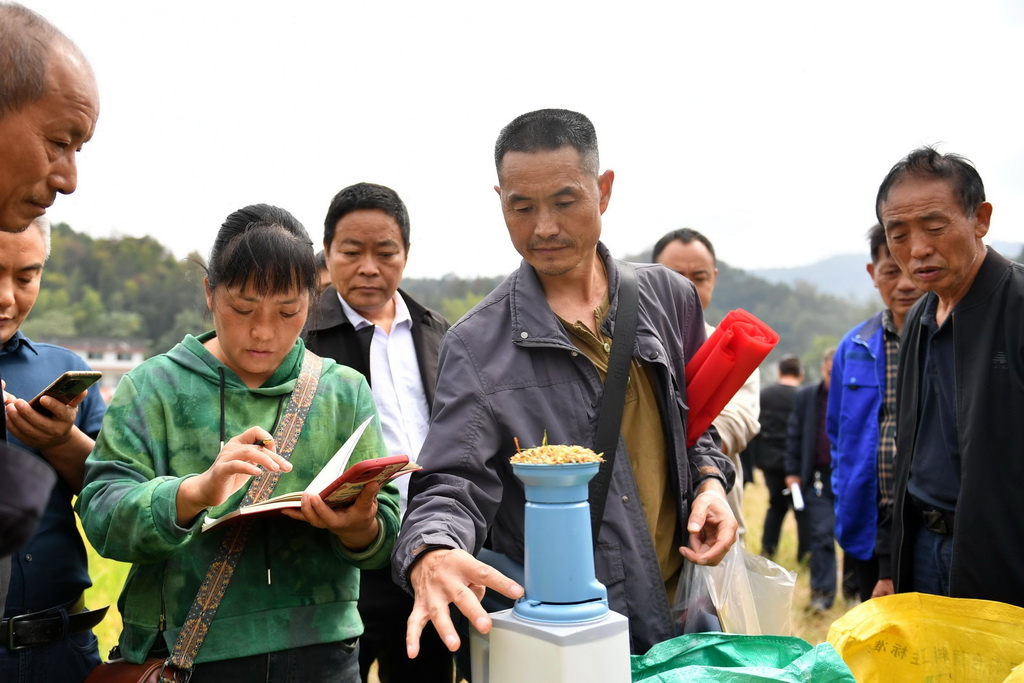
{"points": [[384, 609], [778, 504]]}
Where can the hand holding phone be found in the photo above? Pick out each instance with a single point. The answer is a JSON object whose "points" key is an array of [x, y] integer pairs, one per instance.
{"points": [[65, 388]]}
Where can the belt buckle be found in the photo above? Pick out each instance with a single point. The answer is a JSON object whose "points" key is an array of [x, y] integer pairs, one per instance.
{"points": [[10, 632]]}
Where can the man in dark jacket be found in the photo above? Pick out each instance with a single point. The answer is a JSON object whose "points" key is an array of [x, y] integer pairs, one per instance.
{"points": [[809, 466], [960, 387], [364, 321], [531, 358], [49, 104]]}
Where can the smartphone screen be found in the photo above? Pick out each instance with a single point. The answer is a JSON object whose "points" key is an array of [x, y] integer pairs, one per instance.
{"points": [[65, 388]]}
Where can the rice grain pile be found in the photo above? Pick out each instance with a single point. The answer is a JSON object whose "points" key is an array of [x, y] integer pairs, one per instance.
{"points": [[555, 454]]}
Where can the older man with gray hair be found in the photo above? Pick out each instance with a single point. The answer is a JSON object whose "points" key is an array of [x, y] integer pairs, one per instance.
{"points": [[49, 104]]}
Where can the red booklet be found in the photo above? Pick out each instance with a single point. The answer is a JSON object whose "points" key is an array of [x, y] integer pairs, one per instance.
{"points": [[336, 483]]}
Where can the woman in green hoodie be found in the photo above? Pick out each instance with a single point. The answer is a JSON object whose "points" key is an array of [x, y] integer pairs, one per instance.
{"points": [[183, 437]]}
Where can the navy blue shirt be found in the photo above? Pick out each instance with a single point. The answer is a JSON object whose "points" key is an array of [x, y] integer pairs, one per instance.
{"points": [[52, 568], [935, 469]]}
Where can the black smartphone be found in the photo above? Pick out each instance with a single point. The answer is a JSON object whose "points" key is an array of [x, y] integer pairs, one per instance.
{"points": [[66, 387]]}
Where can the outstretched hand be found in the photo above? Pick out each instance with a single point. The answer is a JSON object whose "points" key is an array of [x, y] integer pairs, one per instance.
{"points": [[451, 576]]}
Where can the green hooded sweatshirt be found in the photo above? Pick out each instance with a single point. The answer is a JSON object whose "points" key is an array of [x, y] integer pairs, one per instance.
{"points": [[164, 424]]}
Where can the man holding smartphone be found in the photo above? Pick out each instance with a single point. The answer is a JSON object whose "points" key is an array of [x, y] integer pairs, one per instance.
{"points": [[50, 573]]}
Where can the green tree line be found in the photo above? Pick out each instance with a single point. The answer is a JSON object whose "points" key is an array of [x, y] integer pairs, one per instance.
{"points": [[135, 287], [117, 287]]}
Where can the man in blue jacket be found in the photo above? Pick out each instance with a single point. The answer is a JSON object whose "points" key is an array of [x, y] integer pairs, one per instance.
{"points": [[862, 422]]}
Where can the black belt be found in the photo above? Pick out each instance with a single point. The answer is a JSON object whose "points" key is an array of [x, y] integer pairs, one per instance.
{"points": [[49, 626], [937, 521]]}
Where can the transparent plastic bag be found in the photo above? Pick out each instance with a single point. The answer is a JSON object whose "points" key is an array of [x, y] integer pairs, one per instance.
{"points": [[747, 593], [692, 610]]}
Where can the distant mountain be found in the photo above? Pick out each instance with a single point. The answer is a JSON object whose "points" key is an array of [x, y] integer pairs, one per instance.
{"points": [[844, 275]]}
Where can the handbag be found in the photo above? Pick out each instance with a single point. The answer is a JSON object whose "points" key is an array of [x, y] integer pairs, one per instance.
{"points": [[177, 668], [121, 671]]}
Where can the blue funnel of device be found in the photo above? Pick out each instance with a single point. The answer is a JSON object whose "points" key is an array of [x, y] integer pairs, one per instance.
{"points": [[560, 583]]}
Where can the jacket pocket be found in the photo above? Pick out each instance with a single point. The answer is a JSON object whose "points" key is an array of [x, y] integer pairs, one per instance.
{"points": [[860, 372]]}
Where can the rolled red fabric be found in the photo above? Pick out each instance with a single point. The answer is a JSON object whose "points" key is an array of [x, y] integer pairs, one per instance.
{"points": [[721, 366]]}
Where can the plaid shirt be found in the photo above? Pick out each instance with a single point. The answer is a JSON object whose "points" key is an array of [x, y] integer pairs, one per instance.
{"points": [[887, 418]]}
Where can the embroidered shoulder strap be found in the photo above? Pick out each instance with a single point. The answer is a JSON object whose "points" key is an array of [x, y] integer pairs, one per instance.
{"points": [[215, 583]]}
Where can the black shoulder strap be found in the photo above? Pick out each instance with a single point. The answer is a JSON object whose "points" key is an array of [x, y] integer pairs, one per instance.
{"points": [[609, 420]]}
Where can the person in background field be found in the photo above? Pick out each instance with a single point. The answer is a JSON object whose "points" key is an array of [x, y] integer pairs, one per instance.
{"points": [[957, 503], [366, 322], [808, 465], [769, 452], [49, 104], [185, 434], [862, 422], [691, 254], [531, 357], [51, 572]]}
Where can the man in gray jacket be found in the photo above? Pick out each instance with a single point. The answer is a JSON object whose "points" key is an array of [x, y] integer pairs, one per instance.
{"points": [[531, 358]]}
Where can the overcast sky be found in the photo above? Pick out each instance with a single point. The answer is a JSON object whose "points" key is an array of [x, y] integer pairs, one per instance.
{"points": [[767, 126]]}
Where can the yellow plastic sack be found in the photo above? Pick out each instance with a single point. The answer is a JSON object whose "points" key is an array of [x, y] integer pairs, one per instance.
{"points": [[913, 637]]}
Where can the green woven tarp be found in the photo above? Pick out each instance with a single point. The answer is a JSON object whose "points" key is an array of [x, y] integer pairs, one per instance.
{"points": [[705, 657]]}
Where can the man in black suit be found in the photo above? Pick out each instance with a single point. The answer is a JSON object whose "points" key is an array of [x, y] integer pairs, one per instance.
{"points": [[809, 465], [365, 321], [768, 450]]}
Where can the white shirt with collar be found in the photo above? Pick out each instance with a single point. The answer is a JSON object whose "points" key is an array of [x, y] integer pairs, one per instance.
{"points": [[397, 386]]}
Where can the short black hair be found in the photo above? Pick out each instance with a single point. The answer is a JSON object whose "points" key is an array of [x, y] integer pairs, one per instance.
{"points": [[366, 196], [789, 366], [684, 235], [927, 162], [263, 248], [876, 241], [547, 130]]}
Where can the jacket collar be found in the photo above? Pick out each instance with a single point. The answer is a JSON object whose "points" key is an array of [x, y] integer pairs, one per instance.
{"points": [[872, 326], [533, 321], [18, 339], [993, 269], [329, 312]]}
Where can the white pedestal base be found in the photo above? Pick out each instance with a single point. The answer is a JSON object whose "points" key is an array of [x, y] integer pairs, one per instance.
{"points": [[517, 650]]}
